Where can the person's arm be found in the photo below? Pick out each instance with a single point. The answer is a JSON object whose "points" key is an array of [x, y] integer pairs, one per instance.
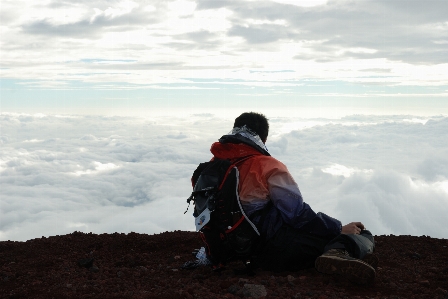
{"points": [[285, 195], [287, 198]]}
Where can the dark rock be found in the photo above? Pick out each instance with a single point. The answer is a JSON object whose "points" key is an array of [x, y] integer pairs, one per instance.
{"points": [[254, 290], [86, 263], [416, 255], [233, 289]]}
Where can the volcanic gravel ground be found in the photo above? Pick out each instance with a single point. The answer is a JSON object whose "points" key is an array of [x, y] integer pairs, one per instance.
{"points": [[134, 265]]}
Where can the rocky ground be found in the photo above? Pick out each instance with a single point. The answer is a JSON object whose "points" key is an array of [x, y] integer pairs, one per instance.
{"points": [[134, 265]]}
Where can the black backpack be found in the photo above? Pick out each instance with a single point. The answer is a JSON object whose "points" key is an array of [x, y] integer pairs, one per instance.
{"points": [[226, 230]]}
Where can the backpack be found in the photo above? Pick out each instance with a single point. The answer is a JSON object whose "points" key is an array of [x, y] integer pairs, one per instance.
{"points": [[226, 230]]}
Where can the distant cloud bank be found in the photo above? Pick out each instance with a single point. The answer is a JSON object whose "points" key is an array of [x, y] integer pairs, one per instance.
{"points": [[61, 173]]}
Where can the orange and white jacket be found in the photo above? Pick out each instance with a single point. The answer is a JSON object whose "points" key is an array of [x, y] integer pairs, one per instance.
{"points": [[263, 179]]}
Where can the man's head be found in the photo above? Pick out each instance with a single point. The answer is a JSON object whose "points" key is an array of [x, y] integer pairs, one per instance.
{"points": [[256, 122]]}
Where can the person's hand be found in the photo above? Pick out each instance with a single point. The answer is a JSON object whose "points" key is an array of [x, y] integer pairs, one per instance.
{"points": [[352, 228]]}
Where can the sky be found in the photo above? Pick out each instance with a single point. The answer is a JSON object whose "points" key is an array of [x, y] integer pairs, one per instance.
{"points": [[106, 108], [128, 57]]}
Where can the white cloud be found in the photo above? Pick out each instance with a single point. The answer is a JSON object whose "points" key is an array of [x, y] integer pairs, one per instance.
{"points": [[305, 3], [107, 174], [337, 169], [168, 41]]}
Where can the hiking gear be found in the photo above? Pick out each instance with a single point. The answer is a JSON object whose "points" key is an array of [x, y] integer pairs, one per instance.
{"points": [[371, 259], [357, 245], [265, 179], [201, 260], [338, 261], [249, 134], [194, 264], [225, 228], [291, 249]]}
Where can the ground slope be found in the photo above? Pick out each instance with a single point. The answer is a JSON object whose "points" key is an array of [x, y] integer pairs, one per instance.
{"points": [[148, 266]]}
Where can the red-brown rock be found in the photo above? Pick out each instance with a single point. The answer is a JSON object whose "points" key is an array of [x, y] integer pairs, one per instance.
{"points": [[148, 266]]}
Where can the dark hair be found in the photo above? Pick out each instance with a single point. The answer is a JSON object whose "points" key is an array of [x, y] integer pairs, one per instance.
{"points": [[256, 122]]}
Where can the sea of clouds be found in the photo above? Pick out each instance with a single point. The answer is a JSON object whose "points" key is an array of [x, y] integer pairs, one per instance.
{"points": [[102, 174]]}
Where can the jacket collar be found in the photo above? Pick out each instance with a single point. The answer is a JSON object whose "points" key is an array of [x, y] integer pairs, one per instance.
{"points": [[239, 139]]}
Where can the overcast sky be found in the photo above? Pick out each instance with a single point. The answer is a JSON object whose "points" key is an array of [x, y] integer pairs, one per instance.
{"points": [[106, 107], [124, 57]]}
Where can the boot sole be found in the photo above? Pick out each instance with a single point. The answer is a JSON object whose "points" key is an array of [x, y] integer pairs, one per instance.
{"points": [[372, 260], [354, 270]]}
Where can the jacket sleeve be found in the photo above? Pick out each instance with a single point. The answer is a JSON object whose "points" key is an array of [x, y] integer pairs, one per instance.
{"points": [[285, 195], [287, 198]]}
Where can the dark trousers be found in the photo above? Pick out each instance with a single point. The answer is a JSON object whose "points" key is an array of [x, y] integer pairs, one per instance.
{"points": [[292, 250]]}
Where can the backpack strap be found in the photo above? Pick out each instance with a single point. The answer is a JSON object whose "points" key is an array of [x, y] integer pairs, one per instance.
{"points": [[244, 216], [234, 164]]}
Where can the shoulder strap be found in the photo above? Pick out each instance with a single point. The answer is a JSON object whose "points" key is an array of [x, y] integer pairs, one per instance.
{"points": [[234, 164]]}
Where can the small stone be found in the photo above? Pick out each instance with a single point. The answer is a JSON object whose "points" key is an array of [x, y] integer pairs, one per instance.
{"points": [[94, 269], [291, 279], [254, 290], [416, 256], [424, 283], [177, 257], [225, 284], [434, 270], [441, 291], [86, 263], [233, 289]]}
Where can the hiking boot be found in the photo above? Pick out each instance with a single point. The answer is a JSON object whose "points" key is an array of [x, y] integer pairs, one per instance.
{"points": [[372, 260], [338, 261]]}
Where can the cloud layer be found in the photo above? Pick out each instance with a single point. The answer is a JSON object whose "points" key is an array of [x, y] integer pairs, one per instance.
{"points": [[155, 42], [105, 174]]}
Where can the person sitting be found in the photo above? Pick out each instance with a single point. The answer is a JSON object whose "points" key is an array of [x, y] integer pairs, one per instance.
{"points": [[294, 236]]}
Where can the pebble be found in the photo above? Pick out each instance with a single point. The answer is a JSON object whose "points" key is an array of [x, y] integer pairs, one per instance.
{"points": [[291, 279], [441, 291], [416, 256], [254, 290], [233, 289]]}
